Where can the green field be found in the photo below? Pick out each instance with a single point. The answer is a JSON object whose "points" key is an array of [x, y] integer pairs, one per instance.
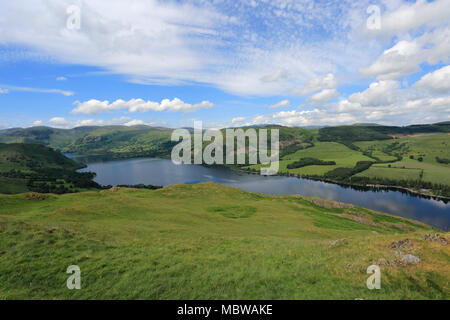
{"points": [[425, 147], [209, 241], [326, 151]]}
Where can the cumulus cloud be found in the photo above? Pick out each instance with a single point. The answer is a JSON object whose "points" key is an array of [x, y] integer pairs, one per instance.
{"points": [[379, 93], [37, 123], [59, 122], [323, 82], [437, 82], [400, 60], [323, 96], [282, 103], [312, 117], [402, 17], [94, 107], [237, 119], [405, 57], [134, 122]]}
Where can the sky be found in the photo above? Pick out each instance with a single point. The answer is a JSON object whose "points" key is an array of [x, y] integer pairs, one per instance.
{"points": [[68, 63]]}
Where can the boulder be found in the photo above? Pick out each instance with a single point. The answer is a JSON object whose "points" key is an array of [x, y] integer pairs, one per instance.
{"points": [[409, 258]]}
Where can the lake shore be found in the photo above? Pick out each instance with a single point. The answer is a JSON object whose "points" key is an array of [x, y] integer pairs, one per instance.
{"points": [[369, 186]]}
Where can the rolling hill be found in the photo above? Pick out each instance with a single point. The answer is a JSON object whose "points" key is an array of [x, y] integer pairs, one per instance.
{"points": [[210, 241], [34, 167]]}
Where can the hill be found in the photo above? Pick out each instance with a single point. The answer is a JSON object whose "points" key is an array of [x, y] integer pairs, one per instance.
{"points": [[34, 167], [127, 142], [209, 241], [413, 157]]}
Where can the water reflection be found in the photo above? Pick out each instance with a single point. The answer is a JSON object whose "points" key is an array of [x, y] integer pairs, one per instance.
{"points": [[164, 172]]}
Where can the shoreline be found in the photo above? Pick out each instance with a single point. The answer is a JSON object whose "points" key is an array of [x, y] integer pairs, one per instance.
{"points": [[370, 186]]}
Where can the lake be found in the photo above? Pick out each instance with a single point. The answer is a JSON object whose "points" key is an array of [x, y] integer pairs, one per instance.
{"points": [[163, 172]]}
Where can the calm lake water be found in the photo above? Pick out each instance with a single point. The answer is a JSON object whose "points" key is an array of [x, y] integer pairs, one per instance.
{"points": [[163, 172]]}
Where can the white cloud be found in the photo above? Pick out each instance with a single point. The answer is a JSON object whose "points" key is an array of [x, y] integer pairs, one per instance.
{"points": [[327, 81], [4, 91], [379, 93], [405, 57], [323, 96], [61, 79], [406, 16], [280, 74], [218, 43], [134, 122], [437, 82], [400, 60], [312, 117], [237, 119], [38, 90], [94, 106], [59, 122], [265, 48], [37, 123], [282, 103]]}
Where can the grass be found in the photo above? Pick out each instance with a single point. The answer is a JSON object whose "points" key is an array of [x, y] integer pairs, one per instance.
{"points": [[208, 241], [393, 172], [34, 167], [428, 147], [433, 171], [12, 185], [325, 151]]}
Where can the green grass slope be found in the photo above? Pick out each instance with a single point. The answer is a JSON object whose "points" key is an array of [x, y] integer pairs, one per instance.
{"points": [[34, 167], [209, 241], [418, 162]]}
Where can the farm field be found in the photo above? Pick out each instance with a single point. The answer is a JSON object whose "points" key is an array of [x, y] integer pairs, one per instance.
{"points": [[326, 151], [412, 150]]}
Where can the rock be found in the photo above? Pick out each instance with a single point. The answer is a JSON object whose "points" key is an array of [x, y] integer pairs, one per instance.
{"points": [[409, 258], [400, 244], [435, 238], [398, 253], [336, 242], [382, 262], [36, 196]]}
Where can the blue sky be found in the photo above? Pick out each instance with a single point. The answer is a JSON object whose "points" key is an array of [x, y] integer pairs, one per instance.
{"points": [[296, 63]]}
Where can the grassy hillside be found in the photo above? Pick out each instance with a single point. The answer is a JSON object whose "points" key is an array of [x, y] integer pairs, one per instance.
{"points": [[124, 142], [194, 242], [117, 141], [419, 161], [53, 137], [418, 158], [34, 167]]}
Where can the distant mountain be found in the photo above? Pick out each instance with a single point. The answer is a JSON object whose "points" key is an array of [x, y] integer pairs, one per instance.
{"points": [[366, 124], [146, 141], [311, 127]]}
